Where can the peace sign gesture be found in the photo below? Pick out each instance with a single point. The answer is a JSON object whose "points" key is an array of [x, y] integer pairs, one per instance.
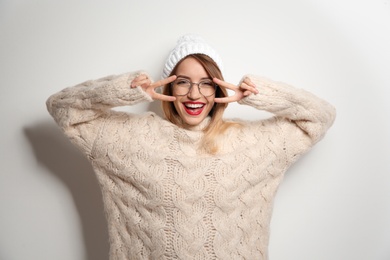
{"points": [[246, 88], [146, 83]]}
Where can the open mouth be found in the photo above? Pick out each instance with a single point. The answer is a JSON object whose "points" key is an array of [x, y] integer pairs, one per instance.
{"points": [[193, 108]]}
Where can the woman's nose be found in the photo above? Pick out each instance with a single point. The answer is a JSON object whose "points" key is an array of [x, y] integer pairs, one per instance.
{"points": [[194, 92]]}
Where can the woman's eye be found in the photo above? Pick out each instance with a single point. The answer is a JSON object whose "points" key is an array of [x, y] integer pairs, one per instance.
{"points": [[207, 83], [181, 82]]}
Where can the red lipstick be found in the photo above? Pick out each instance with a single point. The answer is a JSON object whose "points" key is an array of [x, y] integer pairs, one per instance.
{"points": [[193, 108]]}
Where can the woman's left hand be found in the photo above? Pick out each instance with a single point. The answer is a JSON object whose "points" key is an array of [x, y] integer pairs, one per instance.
{"points": [[246, 88]]}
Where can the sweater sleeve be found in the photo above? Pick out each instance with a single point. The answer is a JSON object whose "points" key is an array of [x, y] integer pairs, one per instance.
{"points": [[80, 110], [294, 109]]}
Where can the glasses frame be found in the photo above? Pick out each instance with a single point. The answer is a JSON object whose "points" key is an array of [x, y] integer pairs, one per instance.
{"points": [[192, 84]]}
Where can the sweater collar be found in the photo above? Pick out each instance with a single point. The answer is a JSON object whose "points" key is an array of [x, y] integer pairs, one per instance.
{"points": [[200, 126]]}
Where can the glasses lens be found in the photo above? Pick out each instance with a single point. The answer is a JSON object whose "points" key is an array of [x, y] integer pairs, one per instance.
{"points": [[207, 88], [181, 86]]}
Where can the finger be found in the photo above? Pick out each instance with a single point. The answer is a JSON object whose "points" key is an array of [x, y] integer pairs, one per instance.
{"points": [[249, 85], [225, 99], [246, 87], [139, 80], [164, 81], [139, 77], [135, 83], [247, 93], [163, 97], [142, 83], [249, 82], [142, 77], [225, 84]]}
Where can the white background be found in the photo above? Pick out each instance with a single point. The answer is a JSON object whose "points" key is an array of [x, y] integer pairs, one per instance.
{"points": [[334, 204]]}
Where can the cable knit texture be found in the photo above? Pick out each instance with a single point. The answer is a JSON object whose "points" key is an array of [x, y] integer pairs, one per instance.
{"points": [[166, 199]]}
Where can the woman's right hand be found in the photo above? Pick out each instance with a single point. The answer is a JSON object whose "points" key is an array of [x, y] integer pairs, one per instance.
{"points": [[145, 82]]}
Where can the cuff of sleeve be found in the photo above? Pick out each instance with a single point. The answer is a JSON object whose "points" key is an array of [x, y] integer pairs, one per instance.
{"points": [[127, 95], [272, 97]]}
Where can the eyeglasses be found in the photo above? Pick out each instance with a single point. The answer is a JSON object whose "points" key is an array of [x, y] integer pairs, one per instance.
{"points": [[182, 87]]}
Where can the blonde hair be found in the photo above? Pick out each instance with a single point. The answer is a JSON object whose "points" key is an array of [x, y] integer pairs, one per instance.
{"points": [[217, 125]]}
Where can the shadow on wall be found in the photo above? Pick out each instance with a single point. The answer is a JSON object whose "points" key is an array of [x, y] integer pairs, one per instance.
{"points": [[55, 152]]}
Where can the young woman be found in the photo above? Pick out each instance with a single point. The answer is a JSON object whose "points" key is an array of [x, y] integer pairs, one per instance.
{"points": [[190, 186]]}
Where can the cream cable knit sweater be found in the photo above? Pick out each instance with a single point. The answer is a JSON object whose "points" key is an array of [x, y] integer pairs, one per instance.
{"points": [[163, 198]]}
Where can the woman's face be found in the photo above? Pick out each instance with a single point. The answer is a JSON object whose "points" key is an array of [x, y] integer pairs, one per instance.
{"points": [[193, 107]]}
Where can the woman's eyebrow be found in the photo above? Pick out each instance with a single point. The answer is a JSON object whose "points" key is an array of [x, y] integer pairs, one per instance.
{"points": [[186, 77], [182, 76]]}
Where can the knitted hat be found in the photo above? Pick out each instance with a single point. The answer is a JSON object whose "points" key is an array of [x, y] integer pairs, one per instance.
{"points": [[186, 45]]}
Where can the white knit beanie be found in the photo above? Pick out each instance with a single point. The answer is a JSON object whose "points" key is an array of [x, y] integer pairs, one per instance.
{"points": [[186, 45]]}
